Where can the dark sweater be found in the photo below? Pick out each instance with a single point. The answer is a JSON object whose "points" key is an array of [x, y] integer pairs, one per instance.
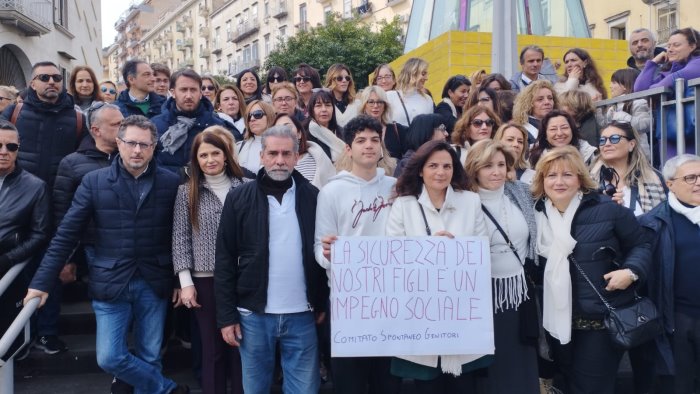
{"points": [[687, 270]]}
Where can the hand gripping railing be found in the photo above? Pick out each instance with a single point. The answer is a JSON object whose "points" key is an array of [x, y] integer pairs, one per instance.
{"points": [[662, 98], [21, 323]]}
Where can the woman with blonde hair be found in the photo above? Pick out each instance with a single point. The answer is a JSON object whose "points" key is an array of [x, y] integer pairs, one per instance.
{"points": [[512, 232], [373, 102], [339, 81], [259, 117], [109, 91], [514, 136], [582, 233], [284, 97], [532, 104], [411, 97], [477, 77], [8, 95]]}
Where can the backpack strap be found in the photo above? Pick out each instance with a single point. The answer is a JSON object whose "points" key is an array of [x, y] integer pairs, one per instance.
{"points": [[15, 113], [79, 125]]}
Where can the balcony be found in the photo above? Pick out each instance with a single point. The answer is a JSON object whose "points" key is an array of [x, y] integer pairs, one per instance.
{"points": [[187, 21], [189, 42], [217, 48], [132, 43], [132, 27], [281, 10], [180, 45], [187, 62], [180, 27], [303, 26], [168, 35], [204, 32], [364, 10], [203, 10], [229, 36], [246, 29], [204, 53], [32, 17]]}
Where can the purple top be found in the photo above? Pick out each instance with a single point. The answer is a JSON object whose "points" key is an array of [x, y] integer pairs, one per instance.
{"points": [[650, 78]]}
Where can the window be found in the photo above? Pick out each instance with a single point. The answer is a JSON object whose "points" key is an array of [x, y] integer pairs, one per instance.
{"points": [[217, 33], [219, 65], [347, 8], [327, 11], [266, 40], [229, 33], [246, 15], [229, 64], [617, 25], [247, 55], [266, 9], [618, 32], [667, 21], [302, 16], [254, 12], [283, 33], [60, 12], [254, 51]]}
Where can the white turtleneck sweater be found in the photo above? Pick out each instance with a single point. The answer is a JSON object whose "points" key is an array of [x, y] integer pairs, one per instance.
{"points": [[220, 185], [509, 285]]}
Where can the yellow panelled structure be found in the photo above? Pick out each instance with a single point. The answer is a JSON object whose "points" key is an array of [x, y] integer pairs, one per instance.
{"points": [[459, 52]]}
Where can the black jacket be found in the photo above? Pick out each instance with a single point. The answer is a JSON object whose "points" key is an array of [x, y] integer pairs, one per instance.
{"points": [[48, 133], [632, 64], [601, 222], [25, 224], [242, 256], [395, 139], [155, 104], [133, 231], [70, 172]]}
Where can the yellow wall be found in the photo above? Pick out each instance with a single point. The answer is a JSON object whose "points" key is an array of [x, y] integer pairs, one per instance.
{"points": [[458, 52]]}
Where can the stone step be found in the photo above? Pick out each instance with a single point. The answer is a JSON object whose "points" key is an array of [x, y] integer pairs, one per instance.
{"points": [[77, 318]]}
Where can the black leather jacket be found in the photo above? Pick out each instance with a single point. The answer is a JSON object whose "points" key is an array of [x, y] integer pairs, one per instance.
{"points": [[24, 218]]}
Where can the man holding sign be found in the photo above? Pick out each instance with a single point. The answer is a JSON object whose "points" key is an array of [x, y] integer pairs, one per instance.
{"points": [[357, 203]]}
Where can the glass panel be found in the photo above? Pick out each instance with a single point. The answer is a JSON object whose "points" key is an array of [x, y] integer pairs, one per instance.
{"points": [[418, 32], [447, 12]]}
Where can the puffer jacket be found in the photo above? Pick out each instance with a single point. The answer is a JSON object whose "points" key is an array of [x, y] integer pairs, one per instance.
{"points": [[25, 222], [204, 117], [48, 132], [129, 108], [242, 256], [131, 235], [71, 171], [601, 222]]}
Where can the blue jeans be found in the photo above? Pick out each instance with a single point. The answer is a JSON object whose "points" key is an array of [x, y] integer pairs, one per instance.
{"points": [[296, 333], [137, 303]]}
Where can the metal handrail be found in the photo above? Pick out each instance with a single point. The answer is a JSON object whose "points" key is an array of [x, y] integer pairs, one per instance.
{"points": [[20, 323], [665, 97], [10, 276]]}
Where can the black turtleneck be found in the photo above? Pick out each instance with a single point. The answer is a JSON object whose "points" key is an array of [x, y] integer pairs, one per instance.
{"points": [[275, 188]]}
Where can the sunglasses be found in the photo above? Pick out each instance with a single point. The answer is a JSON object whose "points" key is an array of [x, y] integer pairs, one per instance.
{"points": [[340, 78], [104, 89], [11, 146], [47, 77], [258, 114], [614, 139], [300, 79], [278, 79], [210, 88], [479, 122]]}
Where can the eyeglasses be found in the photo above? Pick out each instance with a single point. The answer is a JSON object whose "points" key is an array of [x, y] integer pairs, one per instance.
{"points": [[286, 99], [375, 102], [384, 77], [258, 114], [134, 144], [480, 122], [614, 139], [46, 77], [300, 79], [11, 146], [689, 179], [210, 88], [340, 78], [278, 79], [104, 89]]}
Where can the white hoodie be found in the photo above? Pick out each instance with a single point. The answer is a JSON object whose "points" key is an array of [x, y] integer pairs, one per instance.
{"points": [[349, 205]]}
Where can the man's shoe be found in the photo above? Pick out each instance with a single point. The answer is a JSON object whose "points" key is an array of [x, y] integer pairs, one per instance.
{"points": [[181, 389], [50, 344], [120, 387]]}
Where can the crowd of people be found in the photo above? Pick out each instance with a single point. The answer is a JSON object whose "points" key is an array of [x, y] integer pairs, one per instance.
{"points": [[225, 200]]}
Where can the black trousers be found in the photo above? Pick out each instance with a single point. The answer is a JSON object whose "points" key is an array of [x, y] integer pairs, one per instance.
{"points": [[364, 375], [686, 353]]}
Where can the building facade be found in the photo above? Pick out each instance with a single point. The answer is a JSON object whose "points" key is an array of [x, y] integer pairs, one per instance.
{"points": [[65, 32], [617, 19]]}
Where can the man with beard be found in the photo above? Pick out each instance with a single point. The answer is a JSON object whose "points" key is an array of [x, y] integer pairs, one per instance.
{"points": [[642, 48], [184, 116], [130, 278], [269, 289]]}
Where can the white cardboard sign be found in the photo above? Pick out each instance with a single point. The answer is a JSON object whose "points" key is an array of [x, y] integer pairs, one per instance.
{"points": [[410, 296]]}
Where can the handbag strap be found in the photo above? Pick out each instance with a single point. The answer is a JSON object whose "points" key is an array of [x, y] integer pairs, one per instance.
{"points": [[408, 119], [503, 233], [425, 220], [580, 270]]}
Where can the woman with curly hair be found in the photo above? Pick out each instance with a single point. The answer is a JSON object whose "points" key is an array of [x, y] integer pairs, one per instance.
{"points": [[580, 73], [532, 104]]}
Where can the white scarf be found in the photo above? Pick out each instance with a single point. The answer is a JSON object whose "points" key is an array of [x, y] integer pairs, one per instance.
{"points": [[554, 241], [450, 104], [336, 145], [693, 214]]}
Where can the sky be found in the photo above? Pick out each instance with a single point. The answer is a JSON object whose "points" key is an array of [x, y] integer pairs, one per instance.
{"points": [[111, 10]]}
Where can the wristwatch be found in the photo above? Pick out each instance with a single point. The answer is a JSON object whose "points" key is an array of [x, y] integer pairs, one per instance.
{"points": [[633, 276]]}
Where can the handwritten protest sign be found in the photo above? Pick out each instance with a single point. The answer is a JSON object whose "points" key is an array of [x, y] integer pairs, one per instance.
{"points": [[411, 296]]}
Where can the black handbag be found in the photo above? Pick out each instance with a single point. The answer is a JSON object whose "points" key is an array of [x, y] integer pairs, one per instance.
{"points": [[630, 325]]}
